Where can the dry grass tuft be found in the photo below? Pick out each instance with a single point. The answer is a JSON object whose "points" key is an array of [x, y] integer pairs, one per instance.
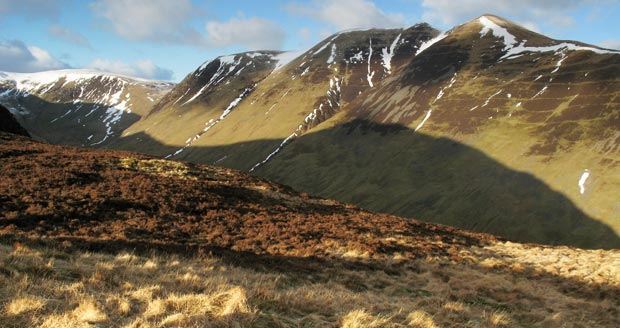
{"points": [[236, 301], [499, 319], [361, 318], [88, 311], [420, 319], [23, 305]]}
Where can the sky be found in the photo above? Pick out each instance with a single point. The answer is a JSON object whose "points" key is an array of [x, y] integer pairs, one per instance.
{"points": [[168, 39]]}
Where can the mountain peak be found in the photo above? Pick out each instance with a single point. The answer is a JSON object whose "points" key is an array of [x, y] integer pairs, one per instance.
{"points": [[495, 19]]}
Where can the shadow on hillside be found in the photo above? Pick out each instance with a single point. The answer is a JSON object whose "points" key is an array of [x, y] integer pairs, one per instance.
{"points": [[391, 169], [53, 123]]}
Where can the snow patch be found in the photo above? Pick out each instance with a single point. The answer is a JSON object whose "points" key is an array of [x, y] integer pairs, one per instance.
{"points": [[357, 58], [323, 47], [430, 42], [286, 57], [497, 31], [388, 53], [559, 63], [582, 181], [332, 55]]}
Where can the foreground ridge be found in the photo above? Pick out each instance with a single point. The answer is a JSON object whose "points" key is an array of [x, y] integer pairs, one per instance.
{"points": [[177, 244]]}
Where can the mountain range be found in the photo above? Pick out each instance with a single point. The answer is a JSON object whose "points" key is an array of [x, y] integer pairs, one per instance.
{"points": [[488, 126]]}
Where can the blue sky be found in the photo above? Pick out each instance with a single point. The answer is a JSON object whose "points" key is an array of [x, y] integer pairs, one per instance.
{"points": [[167, 39]]}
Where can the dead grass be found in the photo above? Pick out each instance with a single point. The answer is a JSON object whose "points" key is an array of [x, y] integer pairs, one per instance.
{"points": [[53, 288]]}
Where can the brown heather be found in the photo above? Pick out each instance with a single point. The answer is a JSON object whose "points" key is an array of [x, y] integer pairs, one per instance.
{"points": [[115, 239]]}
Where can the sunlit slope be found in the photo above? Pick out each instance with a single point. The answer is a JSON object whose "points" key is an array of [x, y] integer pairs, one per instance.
{"points": [[280, 100]]}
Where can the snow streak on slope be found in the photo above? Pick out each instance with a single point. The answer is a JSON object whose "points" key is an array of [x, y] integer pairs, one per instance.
{"points": [[444, 89], [329, 105], [428, 114], [276, 151], [430, 42], [486, 102], [582, 181], [439, 96], [389, 53], [559, 63], [370, 74], [211, 123]]}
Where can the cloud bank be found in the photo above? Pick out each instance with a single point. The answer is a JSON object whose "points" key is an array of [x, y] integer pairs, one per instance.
{"points": [[144, 69], [150, 20], [554, 12], [348, 14], [16, 56], [251, 33]]}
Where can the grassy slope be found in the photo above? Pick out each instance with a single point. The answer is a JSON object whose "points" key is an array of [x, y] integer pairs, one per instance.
{"points": [[92, 238], [271, 112]]}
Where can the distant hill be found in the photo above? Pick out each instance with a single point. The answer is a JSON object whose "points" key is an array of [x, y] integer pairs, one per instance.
{"points": [[76, 106]]}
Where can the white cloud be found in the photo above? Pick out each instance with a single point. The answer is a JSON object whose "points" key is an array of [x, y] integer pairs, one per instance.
{"points": [[31, 8], [348, 14], [15, 56], [68, 35], [611, 44], [449, 13], [144, 69], [253, 33], [150, 20]]}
